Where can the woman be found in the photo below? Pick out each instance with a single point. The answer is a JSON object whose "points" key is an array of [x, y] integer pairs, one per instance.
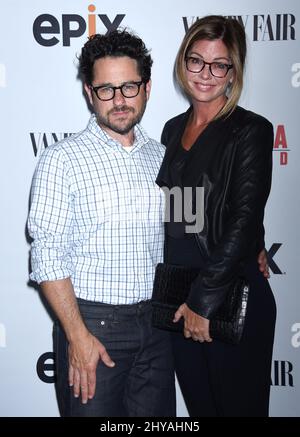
{"points": [[228, 151]]}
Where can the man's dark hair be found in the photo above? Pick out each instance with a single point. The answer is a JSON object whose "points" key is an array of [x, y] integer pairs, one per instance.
{"points": [[116, 43]]}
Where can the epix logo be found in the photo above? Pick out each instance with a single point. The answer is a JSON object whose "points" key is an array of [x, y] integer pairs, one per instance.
{"points": [[270, 255], [70, 26], [45, 367]]}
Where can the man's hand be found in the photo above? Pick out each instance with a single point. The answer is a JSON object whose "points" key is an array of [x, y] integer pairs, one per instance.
{"points": [[195, 326], [85, 351], [84, 356], [263, 263]]}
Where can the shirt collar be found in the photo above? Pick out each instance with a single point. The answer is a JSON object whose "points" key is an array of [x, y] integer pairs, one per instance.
{"points": [[140, 135]]}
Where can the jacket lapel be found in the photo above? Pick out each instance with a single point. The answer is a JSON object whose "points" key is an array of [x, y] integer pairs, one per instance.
{"points": [[174, 142]]}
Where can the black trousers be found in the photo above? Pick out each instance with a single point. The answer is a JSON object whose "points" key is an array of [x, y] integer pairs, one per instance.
{"points": [[223, 380], [142, 383]]}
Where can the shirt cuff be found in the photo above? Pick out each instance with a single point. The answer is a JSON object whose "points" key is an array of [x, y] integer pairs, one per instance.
{"points": [[44, 274]]}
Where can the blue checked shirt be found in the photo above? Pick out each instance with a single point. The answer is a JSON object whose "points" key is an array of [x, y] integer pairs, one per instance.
{"points": [[97, 215]]}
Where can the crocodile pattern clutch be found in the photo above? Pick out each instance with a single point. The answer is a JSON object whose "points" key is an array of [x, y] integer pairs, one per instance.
{"points": [[171, 287]]}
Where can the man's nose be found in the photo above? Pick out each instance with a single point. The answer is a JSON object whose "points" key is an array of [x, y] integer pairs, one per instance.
{"points": [[118, 97]]}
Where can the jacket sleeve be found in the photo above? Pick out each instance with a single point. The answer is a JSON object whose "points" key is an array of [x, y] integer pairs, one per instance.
{"points": [[250, 187]]}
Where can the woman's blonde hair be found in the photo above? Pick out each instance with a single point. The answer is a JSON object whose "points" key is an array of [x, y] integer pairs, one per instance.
{"points": [[232, 33]]}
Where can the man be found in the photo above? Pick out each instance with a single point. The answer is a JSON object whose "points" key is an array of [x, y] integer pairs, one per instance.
{"points": [[97, 229]]}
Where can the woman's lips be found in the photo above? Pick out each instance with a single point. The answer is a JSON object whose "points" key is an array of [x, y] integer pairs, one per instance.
{"points": [[203, 87]]}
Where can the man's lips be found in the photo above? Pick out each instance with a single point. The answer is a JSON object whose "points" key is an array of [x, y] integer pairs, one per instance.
{"points": [[119, 112]]}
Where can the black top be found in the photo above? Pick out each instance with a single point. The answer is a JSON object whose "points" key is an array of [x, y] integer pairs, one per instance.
{"points": [[181, 248]]}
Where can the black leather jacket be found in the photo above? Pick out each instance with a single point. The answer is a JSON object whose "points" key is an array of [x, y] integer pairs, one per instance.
{"points": [[233, 162]]}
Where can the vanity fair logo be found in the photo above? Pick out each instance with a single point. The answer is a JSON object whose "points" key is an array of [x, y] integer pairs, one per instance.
{"points": [[280, 145], [261, 27], [71, 26], [2, 335], [282, 374], [296, 336], [296, 75], [41, 140]]}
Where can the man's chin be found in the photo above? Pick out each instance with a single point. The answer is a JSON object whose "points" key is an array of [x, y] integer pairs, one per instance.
{"points": [[122, 129], [121, 125]]}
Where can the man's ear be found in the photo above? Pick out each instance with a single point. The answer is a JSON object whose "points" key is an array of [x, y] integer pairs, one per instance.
{"points": [[89, 91], [148, 88]]}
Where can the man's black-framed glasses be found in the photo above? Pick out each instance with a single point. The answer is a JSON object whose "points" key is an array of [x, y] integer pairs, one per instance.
{"points": [[107, 92], [217, 69]]}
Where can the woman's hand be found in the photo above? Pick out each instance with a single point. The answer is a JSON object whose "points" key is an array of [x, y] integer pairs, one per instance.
{"points": [[195, 326], [263, 263]]}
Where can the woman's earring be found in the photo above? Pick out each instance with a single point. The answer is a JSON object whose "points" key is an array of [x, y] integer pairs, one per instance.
{"points": [[229, 85]]}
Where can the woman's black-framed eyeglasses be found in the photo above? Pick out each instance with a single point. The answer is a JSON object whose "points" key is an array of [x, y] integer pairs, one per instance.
{"points": [[217, 69]]}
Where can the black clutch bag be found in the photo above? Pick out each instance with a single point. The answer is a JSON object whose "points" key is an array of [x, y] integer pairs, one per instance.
{"points": [[172, 285]]}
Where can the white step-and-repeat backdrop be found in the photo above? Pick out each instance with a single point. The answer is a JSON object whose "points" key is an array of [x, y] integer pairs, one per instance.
{"points": [[42, 102]]}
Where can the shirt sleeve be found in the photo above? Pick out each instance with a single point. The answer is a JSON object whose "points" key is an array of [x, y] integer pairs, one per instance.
{"points": [[50, 218]]}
